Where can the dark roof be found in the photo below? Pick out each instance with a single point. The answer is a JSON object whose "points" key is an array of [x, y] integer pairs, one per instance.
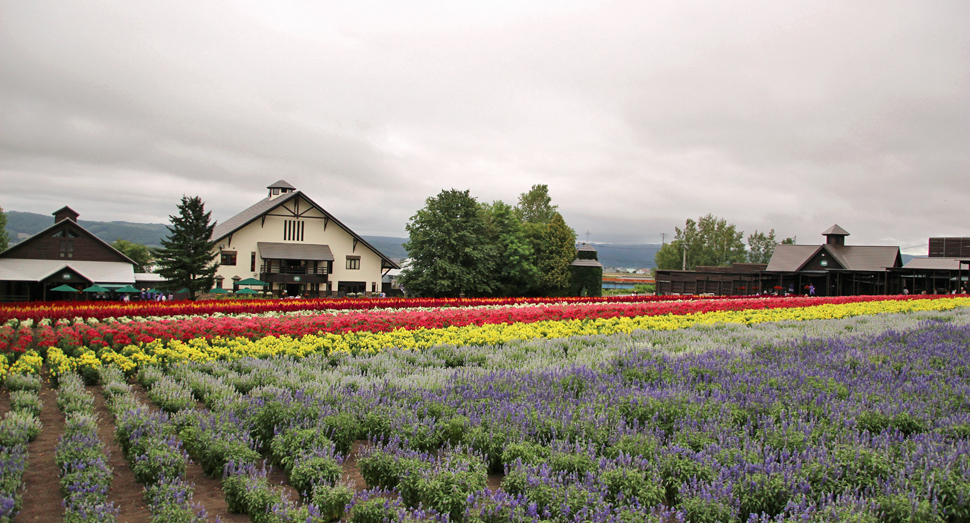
{"points": [[294, 251], [244, 218], [836, 231], [585, 263], [791, 258], [281, 184], [586, 247], [266, 205]]}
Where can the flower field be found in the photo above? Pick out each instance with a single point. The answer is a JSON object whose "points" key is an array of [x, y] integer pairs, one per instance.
{"points": [[756, 410]]}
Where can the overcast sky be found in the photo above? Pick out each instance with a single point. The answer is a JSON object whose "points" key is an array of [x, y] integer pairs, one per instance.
{"points": [[637, 114]]}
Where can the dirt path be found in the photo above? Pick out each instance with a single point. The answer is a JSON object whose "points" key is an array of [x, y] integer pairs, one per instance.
{"points": [[126, 493], [42, 498], [208, 491]]}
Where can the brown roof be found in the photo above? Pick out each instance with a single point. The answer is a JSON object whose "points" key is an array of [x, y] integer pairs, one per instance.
{"points": [[836, 230], [942, 264], [791, 258], [294, 251]]}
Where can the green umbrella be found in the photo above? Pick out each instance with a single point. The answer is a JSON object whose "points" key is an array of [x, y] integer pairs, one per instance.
{"points": [[127, 288], [156, 291], [64, 288], [246, 291], [183, 290], [252, 281], [95, 288], [219, 290]]}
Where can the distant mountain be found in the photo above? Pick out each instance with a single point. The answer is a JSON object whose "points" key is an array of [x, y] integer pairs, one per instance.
{"points": [[22, 225], [627, 255], [390, 246]]}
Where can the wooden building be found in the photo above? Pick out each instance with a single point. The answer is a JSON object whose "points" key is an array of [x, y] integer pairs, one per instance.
{"points": [[740, 279], [63, 254], [300, 249], [833, 268]]}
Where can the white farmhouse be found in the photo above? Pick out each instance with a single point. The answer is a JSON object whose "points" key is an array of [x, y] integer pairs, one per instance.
{"points": [[296, 246]]}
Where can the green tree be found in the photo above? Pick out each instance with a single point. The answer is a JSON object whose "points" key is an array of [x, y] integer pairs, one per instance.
{"points": [[536, 206], [761, 246], [140, 254], [449, 249], [557, 249], [4, 237], [709, 241], [788, 241], [515, 272], [186, 258]]}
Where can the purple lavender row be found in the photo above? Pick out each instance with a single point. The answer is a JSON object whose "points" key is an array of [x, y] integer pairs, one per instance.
{"points": [[82, 457], [19, 427], [154, 453]]}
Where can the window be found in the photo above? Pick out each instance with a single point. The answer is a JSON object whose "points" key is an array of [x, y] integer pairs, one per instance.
{"points": [[252, 263], [353, 262], [219, 280], [228, 258], [66, 233], [66, 248], [293, 230], [276, 191]]}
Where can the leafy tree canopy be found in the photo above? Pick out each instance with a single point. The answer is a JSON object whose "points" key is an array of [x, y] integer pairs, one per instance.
{"points": [[557, 249], [4, 237], [186, 258], [536, 206], [709, 241], [515, 272], [761, 246], [140, 254], [449, 249]]}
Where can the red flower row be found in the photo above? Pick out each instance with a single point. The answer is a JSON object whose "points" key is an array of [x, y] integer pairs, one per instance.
{"points": [[100, 310]]}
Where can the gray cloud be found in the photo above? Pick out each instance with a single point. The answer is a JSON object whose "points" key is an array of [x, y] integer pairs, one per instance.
{"points": [[792, 115]]}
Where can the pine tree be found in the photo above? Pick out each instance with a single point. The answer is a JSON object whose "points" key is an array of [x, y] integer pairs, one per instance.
{"points": [[186, 258]]}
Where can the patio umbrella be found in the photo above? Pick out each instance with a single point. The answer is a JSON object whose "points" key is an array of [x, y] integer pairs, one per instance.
{"points": [[95, 288], [246, 291], [252, 281], [127, 288], [219, 290], [183, 290], [154, 291], [64, 288]]}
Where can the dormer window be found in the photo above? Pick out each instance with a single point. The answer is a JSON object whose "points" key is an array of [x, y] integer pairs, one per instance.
{"points": [[276, 191]]}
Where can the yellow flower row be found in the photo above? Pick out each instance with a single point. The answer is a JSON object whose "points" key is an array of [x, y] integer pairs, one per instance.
{"points": [[201, 350]]}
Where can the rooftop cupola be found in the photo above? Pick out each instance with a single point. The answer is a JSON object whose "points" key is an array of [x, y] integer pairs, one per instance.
{"points": [[835, 235], [280, 188], [65, 213]]}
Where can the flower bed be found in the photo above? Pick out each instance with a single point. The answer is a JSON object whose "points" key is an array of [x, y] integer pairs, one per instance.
{"points": [[861, 419], [99, 310], [492, 327]]}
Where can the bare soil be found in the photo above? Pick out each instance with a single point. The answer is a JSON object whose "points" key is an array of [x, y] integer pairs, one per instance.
{"points": [[42, 497]]}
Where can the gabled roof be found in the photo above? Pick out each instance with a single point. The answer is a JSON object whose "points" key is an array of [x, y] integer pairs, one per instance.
{"points": [[267, 204], [7, 253], [835, 230], [792, 258]]}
